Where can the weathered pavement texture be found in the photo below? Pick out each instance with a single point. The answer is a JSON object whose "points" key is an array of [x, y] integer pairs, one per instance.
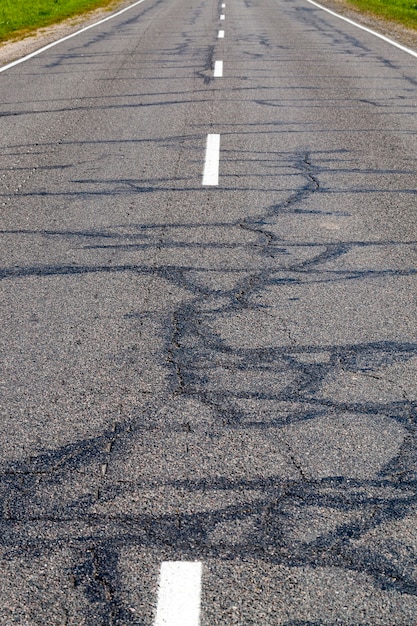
{"points": [[223, 374]]}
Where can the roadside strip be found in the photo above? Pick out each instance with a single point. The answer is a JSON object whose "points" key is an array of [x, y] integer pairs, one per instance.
{"points": [[365, 28], [221, 35], [78, 32]]}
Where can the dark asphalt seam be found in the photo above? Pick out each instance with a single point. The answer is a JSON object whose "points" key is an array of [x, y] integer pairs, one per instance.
{"points": [[191, 371], [173, 350]]}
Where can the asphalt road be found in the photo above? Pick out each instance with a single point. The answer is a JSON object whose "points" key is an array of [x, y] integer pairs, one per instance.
{"points": [[220, 374]]}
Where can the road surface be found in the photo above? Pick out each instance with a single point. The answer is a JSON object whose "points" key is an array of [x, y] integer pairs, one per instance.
{"points": [[208, 299]]}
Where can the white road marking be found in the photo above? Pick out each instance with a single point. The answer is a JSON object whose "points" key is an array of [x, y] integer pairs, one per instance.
{"points": [[211, 165], [221, 34], [218, 69], [110, 17], [366, 29], [223, 6], [78, 32], [179, 594]]}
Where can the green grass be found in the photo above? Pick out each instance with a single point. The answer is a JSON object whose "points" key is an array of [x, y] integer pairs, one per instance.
{"points": [[18, 17], [402, 11]]}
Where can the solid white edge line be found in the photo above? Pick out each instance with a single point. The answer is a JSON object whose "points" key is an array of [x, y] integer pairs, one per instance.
{"points": [[218, 69], [78, 32], [211, 163], [365, 28], [179, 594], [221, 34]]}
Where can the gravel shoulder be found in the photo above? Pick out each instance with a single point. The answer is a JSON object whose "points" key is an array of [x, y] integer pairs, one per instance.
{"points": [[15, 49]]}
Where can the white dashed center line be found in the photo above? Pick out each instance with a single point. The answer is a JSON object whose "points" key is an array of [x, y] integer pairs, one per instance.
{"points": [[211, 165], [222, 17], [223, 6], [179, 594], [218, 69], [221, 34]]}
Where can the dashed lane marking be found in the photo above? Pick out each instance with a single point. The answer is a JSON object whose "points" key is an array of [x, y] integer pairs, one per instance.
{"points": [[221, 34], [211, 165], [179, 594], [222, 17], [218, 69]]}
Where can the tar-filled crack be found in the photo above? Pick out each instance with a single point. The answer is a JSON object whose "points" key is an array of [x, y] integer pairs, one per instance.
{"points": [[209, 352], [261, 231], [101, 579], [315, 185], [241, 387], [30, 161], [298, 466], [96, 576], [173, 351], [207, 73]]}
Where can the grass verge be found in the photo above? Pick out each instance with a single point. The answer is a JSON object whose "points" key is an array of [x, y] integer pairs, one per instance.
{"points": [[402, 11], [20, 17]]}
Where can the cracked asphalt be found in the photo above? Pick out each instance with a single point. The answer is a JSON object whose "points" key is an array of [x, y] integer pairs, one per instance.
{"points": [[222, 374]]}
